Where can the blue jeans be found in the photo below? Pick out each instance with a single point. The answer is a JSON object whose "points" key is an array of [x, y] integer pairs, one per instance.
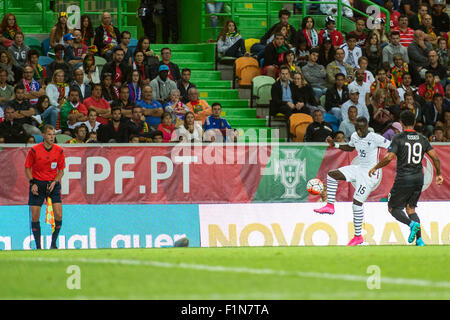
{"points": [[319, 92], [214, 8], [50, 115]]}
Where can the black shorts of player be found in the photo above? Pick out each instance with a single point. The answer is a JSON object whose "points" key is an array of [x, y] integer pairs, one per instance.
{"points": [[38, 200], [405, 193]]}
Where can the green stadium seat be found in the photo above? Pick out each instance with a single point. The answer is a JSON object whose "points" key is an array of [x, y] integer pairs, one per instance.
{"points": [[45, 60], [34, 44], [261, 91]]}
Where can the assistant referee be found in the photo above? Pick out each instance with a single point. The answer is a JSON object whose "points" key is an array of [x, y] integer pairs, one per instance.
{"points": [[44, 167]]}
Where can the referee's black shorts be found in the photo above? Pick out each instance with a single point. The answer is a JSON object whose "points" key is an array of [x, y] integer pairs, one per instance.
{"points": [[403, 194], [38, 200]]}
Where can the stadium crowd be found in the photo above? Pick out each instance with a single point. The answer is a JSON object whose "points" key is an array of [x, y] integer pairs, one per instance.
{"points": [[329, 75], [138, 96], [141, 96]]}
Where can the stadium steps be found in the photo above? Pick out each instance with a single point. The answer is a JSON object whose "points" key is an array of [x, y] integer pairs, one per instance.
{"points": [[200, 58]]}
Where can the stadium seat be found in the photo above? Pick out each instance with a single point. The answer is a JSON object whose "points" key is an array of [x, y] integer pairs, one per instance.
{"points": [[245, 69], [100, 62], [45, 46], [260, 91], [298, 122], [322, 100], [45, 61], [249, 43], [62, 138], [34, 44]]}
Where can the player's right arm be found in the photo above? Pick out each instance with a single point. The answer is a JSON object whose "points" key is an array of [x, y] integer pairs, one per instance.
{"points": [[343, 147], [437, 165]]}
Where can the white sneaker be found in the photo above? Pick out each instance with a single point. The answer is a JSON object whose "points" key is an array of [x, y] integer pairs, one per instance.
{"points": [[37, 118]]}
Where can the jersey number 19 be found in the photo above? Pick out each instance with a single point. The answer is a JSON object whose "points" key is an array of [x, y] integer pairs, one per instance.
{"points": [[414, 152]]}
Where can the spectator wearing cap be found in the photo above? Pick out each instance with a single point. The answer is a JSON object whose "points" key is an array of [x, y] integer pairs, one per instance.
{"points": [[118, 68], [59, 30], [392, 130], [331, 9], [174, 70], [75, 50], [354, 101], [440, 18], [394, 48], [107, 36], [162, 85], [337, 39]]}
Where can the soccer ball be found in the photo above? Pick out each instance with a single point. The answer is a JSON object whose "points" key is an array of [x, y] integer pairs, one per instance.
{"points": [[314, 186]]}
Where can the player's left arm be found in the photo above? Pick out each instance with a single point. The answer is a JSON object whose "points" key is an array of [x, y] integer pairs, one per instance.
{"points": [[437, 165], [388, 157]]}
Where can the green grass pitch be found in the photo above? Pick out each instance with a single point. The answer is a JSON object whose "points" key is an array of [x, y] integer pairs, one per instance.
{"points": [[253, 273]]}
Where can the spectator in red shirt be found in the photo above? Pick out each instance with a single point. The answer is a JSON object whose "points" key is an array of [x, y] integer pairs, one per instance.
{"points": [[44, 168], [337, 39], [406, 33], [100, 105], [393, 15], [430, 87]]}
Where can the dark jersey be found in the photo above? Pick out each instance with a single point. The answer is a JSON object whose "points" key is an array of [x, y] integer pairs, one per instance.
{"points": [[409, 147]]}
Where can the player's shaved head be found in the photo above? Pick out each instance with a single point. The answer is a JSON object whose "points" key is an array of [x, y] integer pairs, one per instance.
{"points": [[361, 126]]}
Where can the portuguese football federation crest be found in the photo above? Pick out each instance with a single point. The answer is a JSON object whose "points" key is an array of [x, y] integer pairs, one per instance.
{"points": [[290, 170]]}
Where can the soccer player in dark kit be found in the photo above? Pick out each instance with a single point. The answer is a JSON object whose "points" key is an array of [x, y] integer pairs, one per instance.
{"points": [[44, 167], [409, 147]]}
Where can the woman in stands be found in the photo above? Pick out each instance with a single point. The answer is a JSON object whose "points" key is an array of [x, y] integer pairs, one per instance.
{"points": [[306, 93], [135, 84], [47, 113], [191, 131], [308, 32], [59, 30], [230, 42], [87, 31], [167, 127], [373, 52], [7, 63], [91, 72], [57, 90], [150, 58], [109, 91], [326, 52], [140, 66], [8, 29], [289, 60]]}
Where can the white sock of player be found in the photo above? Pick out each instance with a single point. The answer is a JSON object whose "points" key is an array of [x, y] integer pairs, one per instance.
{"points": [[358, 218], [332, 185]]}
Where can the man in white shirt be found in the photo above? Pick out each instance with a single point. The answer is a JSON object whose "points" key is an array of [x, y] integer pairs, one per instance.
{"points": [[354, 101], [363, 87], [351, 51]]}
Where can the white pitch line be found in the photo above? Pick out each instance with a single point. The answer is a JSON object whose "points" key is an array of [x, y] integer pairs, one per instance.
{"points": [[210, 268]]}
